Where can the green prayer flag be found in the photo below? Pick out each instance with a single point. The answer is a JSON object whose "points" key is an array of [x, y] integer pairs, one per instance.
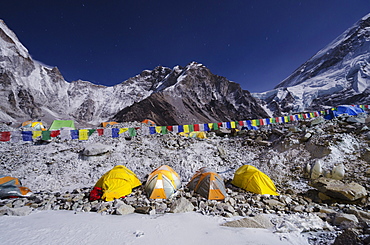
{"points": [[91, 131], [164, 130], [45, 135], [132, 132]]}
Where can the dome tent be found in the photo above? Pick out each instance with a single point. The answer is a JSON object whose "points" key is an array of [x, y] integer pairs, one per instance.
{"points": [[34, 125], [162, 183], [116, 183], [12, 187], [208, 184], [251, 179]]}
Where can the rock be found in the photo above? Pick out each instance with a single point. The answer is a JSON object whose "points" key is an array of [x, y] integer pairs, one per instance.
{"points": [[316, 121], [96, 149], [259, 221], [345, 220], [361, 215], [316, 171], [22, 211], [123, 209], [3, 210], [142, 210], [306, 137], [273, 203], [338, 172], [181, 205], [366, 155], [338, 189], [356, 120], [348, 237]]}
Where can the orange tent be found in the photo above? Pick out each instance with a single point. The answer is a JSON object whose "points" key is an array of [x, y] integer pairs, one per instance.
{"points": [[149, 122], [208, 184], [162, 183], [105, 124]]}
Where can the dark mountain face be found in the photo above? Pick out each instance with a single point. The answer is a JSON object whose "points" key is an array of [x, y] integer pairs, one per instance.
{"points": [[194, 95]]}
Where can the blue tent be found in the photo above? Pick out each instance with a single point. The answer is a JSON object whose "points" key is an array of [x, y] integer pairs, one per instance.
{"points": [[344, 109]]}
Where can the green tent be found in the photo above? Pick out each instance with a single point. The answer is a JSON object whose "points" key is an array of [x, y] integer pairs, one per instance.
{"points": [[58, 124]]}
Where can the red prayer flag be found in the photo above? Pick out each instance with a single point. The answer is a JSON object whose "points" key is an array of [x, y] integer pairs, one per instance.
{"points": [[169, 128], [100, 131], [196, 127], [54, 133], [4, 136]]}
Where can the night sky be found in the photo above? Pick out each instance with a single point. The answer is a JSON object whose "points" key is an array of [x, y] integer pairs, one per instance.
{"points": [[255, 43]]}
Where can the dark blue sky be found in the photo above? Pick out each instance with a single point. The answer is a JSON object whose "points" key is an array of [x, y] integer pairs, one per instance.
{"points": [[256, 43]]}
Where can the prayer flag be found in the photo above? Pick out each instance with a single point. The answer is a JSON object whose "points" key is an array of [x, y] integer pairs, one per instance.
{"points": [[132, 132], [36, 134], [152, 130], [83, 134], [164, 130], [158, 129], [4, 136], [27, 135], [100, 131], [74, 134], [54, 133], [175, 129], [115, 132], [46, 135]]}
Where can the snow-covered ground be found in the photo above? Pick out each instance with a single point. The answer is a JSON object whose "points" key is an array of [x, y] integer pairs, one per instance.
{"points": [[66, 227]]}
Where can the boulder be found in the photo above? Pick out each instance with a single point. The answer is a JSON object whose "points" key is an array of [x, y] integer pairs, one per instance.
{"points": [[21, 211], [345, 220], [123, 209], [181, 205], [96, 149], [259, 221], [348, 237], [338, 189]]}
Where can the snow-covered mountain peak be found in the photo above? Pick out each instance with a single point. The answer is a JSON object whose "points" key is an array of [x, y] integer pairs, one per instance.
{"points": [[340, 70], [9, 43]]}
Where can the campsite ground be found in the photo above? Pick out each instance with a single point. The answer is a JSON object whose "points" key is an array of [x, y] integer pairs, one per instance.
{"points": [[66, 227]]}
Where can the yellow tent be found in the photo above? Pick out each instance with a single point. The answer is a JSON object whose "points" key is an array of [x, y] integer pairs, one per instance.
{"points": [[162, 183], [117, 182], [208, 184], [194, 134], [251, 179]]}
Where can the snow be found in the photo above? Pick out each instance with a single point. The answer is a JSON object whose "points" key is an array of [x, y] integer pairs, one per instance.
{"points": [[66, 227]]}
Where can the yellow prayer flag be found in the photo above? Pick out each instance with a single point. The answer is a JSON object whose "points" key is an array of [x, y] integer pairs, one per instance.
{"points": [[122, 130], [83, 134], [233, 124], [254, 122], [186, 129], [210, 125], [158, 129], [36, 134]]}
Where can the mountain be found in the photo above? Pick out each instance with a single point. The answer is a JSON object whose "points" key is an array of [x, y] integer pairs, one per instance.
{"points": [[30, 90], [194, 95], [337, 74]]}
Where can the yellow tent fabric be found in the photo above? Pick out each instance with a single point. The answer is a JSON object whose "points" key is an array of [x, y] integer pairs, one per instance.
{"points": [[162, 183], [208, 184], [251, 179], [194, 134], [117, 182]]}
